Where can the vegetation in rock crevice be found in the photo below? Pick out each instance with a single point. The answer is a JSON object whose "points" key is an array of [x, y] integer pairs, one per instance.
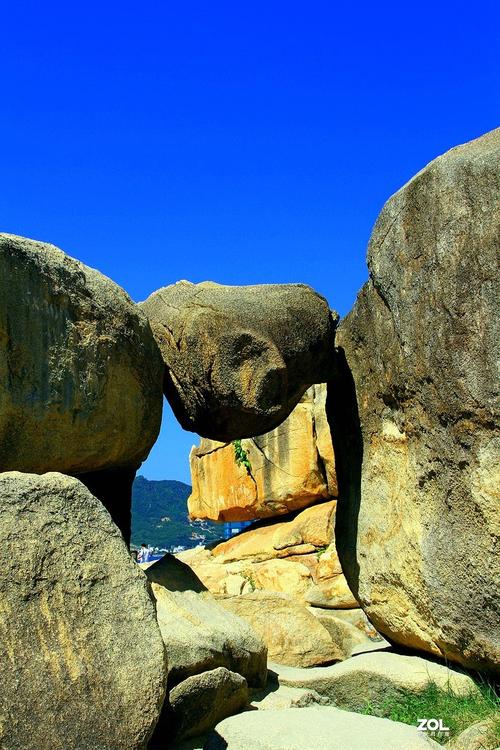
{"points": [[241, 456], [458, 712]]}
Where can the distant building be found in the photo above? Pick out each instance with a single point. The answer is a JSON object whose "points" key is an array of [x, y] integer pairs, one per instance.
{"points": [[234, 527]]}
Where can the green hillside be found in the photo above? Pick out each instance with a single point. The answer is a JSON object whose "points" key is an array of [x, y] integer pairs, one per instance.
{"points": [[160, 518]]}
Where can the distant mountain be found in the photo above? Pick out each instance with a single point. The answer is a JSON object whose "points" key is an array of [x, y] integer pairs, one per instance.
{"points": [[160, 517]]}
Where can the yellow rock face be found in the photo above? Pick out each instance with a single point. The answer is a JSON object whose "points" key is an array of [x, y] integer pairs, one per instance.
{"points": [[292, 471], [310, 529], [292, 467], [293, 636]]}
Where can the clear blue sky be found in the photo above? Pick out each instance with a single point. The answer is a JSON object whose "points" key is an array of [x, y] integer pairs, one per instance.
{"points": [[239, 142]]}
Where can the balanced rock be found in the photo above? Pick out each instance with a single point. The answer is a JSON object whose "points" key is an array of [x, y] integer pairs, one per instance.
{"points": [[82, 661], [292, 635], [415, 414], [318, 727], [200, 702], [80, 372], [238, 359], [290, 468]]}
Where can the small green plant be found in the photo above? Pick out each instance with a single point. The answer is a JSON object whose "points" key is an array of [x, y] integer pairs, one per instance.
{"points": [[321, 550], [457, 711], [249, 577], [241, 456]]}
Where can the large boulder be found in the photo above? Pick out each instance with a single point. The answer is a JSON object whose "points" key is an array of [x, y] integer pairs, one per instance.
{"points": [[292, 635], [239, 358], [80, 372], [318, 727], [414, 410], [82, 661], [291, 467], [200, 702]]}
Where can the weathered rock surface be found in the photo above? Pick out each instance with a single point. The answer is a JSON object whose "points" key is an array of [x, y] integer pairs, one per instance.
{"points": [[78, 632], [200, 635], [312, 527], [201, 701], [357, 618], [479, 736], [415, 414], [333, 593], [239, 358], [80, 372], [373, 677], [293, 578], [292, 467], [292, 635], [318, 727], [350, 639]]}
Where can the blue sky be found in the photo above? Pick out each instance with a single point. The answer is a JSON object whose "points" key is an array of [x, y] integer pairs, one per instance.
{"points": [[243, 143]]}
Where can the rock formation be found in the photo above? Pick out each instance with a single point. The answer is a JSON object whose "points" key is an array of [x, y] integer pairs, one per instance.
{"points": [[373, 678], [414, 413], [293, 555], [272, 571], [298, 534], [82, 661], [291, 467], [238, 359], [90, 644], [351, 639], [80, 373], [292, 635]]}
